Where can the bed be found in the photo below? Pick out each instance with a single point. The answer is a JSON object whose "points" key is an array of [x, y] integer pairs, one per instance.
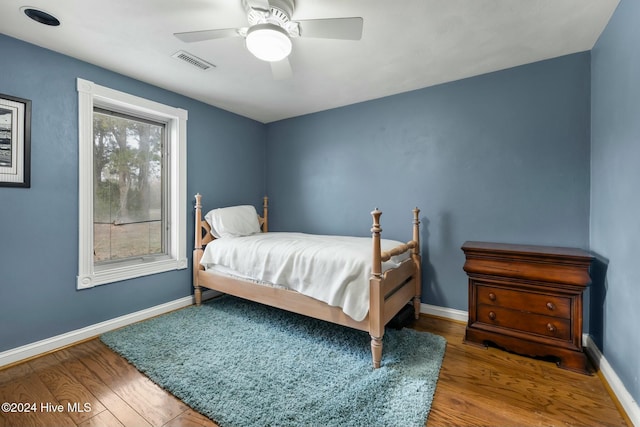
{"points": [[392, 271]]}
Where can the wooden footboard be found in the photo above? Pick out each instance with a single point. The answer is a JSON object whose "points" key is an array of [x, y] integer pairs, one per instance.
{"points": [[390, 291]]}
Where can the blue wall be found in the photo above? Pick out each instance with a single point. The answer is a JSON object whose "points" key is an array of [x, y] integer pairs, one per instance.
{"points": [[501, 157], [615, 201], [39, 226]]}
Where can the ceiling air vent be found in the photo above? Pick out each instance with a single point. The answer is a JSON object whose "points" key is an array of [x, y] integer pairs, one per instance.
{"points": [[193, 60]]}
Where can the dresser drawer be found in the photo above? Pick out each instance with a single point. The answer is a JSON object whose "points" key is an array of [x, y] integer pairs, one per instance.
{"points": [[526, 322], [548, 305]]}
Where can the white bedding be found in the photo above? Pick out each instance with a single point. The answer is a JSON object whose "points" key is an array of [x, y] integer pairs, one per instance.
{"points": [[333, 269]]}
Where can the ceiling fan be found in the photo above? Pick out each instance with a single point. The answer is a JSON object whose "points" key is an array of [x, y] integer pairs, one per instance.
{"points": [[268, 36]]}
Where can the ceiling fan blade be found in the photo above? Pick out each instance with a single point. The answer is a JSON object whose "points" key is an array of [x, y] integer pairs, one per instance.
{"points": [[332, 28], [198, 36], [281, 70]]}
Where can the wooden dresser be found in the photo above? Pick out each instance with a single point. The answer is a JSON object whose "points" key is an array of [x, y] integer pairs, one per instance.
{"points": [[528, 299]]}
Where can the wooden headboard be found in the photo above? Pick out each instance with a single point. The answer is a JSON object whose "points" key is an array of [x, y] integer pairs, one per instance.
{"points": [[203, 229]]}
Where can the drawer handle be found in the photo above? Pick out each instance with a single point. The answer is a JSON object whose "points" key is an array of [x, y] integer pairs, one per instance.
{"points": [[551, 306], [492, 315], [492, 296], [551, 328]]}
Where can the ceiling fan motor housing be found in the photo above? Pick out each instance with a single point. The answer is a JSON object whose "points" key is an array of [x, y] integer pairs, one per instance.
{"points": [[286, 6], [279, 13]]}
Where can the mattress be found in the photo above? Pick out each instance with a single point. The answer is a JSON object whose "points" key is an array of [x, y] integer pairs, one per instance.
{"points": [[332, 269]]}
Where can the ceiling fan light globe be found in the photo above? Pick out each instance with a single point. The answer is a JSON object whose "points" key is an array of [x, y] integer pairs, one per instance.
{"points": [[268, 42]]}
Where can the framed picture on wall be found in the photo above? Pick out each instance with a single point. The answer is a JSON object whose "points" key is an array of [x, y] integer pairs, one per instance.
{"points": [[15, 141]]}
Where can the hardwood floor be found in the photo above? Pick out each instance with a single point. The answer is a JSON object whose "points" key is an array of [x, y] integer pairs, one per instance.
{"points": [[89, 385], [491, 387]]}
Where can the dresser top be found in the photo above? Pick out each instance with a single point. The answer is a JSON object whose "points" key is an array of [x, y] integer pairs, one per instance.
{"points": [[524, 250]]}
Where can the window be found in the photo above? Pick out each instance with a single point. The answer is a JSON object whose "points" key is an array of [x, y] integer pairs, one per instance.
{"points": [[132, 185], [128, 187]]}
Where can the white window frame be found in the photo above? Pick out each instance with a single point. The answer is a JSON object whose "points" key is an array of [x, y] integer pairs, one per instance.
{"points": [[90, 94]]}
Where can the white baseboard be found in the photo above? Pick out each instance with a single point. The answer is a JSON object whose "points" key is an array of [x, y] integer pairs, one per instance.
{"points": [[447, 313], [624, 397], [40, 347], [50, 344]]}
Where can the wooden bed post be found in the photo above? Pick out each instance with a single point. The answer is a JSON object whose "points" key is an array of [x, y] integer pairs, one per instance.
{"points": [[197, 250], [265, 214], [376, 303], [417, 259]]}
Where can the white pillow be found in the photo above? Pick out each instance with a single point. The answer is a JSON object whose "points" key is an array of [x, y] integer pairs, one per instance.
{"points": [[233, 221]]}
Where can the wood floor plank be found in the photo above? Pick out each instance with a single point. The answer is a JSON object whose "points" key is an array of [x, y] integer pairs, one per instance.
{"points": [[190, 418], [36, 406], [126, 415], [475, 406], [103, 419], [80, 404], [455, 409], [148, 399], [10, 374]]}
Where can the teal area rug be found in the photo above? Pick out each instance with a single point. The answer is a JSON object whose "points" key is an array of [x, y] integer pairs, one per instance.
{"points": [[244, 364]]}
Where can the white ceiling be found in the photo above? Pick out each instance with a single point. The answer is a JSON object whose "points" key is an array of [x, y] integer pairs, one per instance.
{"points": [[406, 45]]}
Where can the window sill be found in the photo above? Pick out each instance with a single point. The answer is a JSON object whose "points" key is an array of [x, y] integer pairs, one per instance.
{"points": [[116, 274]]}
